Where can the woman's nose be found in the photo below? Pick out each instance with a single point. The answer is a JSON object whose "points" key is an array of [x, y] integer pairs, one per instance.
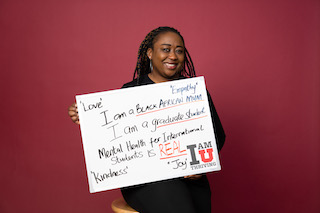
{"points": [[172, 55]]}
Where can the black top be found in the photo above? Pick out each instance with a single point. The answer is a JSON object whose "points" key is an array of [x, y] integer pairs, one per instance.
{"points": [[218, 129]]}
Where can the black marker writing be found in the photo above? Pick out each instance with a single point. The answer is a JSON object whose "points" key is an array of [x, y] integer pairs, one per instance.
{"points": [[179, 164], [89, 107], [114, 132], [99, 177]]}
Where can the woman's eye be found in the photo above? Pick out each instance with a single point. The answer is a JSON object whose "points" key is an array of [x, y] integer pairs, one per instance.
{"points": [[166, 49], [179, 51]]}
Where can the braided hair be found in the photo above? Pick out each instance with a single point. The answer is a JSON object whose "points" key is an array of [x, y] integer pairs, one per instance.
{"points": [[143, 61]]}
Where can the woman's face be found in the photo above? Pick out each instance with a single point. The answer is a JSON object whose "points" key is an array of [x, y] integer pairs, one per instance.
{"points": [[167, 57]]}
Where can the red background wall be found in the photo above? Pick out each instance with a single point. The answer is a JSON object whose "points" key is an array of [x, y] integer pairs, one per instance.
{"points": [[261, 63]]}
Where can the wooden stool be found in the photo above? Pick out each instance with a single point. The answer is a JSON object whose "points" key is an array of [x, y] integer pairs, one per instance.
{"points": [[120, 206]]}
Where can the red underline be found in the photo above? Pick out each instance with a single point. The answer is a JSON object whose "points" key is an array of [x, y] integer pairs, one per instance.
{"points": [[172, 156], [182, 121]]}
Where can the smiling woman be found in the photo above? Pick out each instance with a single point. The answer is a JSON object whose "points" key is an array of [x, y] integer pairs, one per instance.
{"points": [[163, 49], [162, 57], [167, 57]]}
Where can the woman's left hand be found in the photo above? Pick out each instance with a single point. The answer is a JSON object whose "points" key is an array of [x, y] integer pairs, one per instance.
{"points": [[193, 177]]}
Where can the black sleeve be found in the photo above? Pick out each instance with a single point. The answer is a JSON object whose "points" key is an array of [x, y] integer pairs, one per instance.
{"points": [[218, 129]]}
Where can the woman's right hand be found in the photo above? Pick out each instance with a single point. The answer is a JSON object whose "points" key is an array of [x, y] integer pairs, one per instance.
{"points": [[73, 113]]}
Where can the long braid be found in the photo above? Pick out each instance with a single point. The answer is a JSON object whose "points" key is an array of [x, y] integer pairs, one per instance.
{"points": [[143, 62]]}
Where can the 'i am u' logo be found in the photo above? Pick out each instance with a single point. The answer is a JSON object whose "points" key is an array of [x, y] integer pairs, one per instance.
{"points": [[205, 151]]}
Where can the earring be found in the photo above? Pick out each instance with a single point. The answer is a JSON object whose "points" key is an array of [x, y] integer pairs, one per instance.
{"points": [[151, 67]]}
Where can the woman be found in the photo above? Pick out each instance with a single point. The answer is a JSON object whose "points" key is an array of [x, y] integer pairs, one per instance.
{"points": [[163, 57]]}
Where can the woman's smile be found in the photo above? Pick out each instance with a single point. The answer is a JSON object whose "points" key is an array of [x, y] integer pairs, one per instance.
{"points": [[170, 66]]}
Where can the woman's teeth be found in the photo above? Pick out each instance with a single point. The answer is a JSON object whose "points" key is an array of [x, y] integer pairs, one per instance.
{"points": [[171, 66]]}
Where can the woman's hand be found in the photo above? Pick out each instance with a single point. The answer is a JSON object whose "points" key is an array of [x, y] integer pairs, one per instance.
{"points": [[73, 113], [193, 177]]}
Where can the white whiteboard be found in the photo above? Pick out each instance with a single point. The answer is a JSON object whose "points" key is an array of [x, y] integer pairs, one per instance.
{"points": [[147, 133]]}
